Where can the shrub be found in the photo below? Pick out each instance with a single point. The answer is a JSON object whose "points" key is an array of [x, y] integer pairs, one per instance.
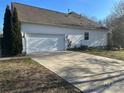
{"points": [[7, 33], [17, 37], [82, 47], [12, 38]]}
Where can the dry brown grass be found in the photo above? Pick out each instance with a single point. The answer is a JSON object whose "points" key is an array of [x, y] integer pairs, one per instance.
{"points": [[26, 76], [111, 54]]}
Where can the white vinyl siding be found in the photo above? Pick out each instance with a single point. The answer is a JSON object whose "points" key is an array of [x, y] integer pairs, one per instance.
{"points": [[76, 36]]}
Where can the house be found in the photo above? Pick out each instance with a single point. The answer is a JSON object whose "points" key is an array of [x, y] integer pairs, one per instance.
{"points": [[48, 30]]}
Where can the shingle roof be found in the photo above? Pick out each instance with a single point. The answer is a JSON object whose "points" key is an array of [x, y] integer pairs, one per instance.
{"points": [[37, 15]]}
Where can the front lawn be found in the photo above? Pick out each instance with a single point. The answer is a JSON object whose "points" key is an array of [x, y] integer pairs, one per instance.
{"points": [[111, 54], [27, 76]]}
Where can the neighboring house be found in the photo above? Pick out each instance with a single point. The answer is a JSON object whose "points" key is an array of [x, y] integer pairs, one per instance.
{"points": [[47, 30]]}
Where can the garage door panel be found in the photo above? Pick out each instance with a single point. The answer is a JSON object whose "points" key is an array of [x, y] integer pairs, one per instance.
{"points": [[39, 43]]}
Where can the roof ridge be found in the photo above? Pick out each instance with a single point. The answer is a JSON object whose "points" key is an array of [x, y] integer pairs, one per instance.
{"points": [[38, 8]]}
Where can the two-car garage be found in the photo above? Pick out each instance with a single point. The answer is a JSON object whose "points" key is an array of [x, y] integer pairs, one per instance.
{"points": [[44, 42]]}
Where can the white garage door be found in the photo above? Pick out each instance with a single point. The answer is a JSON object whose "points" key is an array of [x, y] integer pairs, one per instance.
{"points": [[39, 43]]}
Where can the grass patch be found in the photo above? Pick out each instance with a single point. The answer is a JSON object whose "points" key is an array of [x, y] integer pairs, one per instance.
{"points": [[111, 54], [27, 76]]}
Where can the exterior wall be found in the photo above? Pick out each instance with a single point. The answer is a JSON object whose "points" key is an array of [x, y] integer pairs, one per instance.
{"points": [[96, 37]]}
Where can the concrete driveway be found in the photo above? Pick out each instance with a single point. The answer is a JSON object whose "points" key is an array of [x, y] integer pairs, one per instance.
{"points": [[91, 74]]}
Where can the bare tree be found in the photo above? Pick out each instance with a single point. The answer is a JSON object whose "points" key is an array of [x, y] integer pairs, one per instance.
{"points": [[115, 22], [119, 9]]}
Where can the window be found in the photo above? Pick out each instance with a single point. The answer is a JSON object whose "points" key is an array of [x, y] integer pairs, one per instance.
{"points": [[86, 36]]}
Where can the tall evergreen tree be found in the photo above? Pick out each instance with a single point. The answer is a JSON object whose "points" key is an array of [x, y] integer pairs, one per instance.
{"points": [[16, 35], [7, 32]]}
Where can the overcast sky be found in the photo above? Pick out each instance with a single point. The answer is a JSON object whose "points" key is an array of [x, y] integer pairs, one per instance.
{"points": [[92, 8]]}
